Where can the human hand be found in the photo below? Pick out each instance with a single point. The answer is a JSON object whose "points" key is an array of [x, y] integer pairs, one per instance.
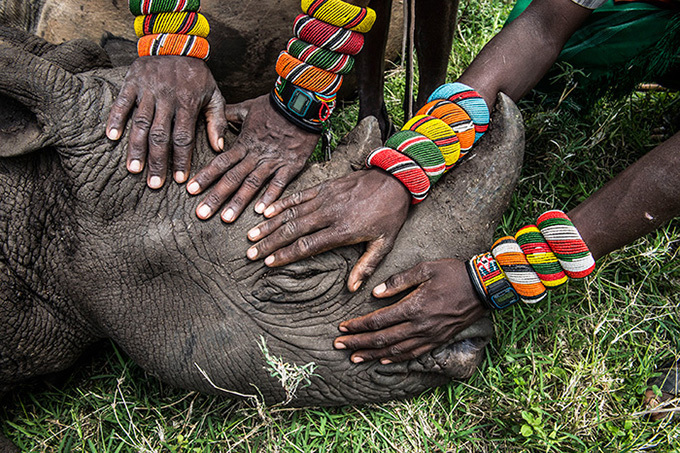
{"points": [[169, 93], [364, 206], [269, 146], [441, 304]]}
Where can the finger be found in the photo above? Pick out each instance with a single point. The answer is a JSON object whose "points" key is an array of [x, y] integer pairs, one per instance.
{"points": [[375, 252], [372, 345], [306, 246], [276, 187], [216, 120], [381, 318], [237, 113], [139, 134], [402, 281], [183, 142], [227, 185], [406, 350], [267, 227], [290, 201], [120, 111], [159, 144], [298, 223], [215, 169], [251, 185]]}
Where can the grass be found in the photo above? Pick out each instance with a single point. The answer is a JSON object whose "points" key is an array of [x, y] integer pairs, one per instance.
{"points": [[566, 375]]}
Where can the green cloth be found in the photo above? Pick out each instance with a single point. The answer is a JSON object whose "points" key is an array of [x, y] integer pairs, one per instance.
{"points": [[620, 45]]}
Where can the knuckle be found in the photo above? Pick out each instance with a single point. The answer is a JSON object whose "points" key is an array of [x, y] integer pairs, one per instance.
{"points": [[380, 341], [395, 350], [253, 181], [374, 323], [304, 245], [159, 137], [182, 138], [141, 121], [289, 231]]}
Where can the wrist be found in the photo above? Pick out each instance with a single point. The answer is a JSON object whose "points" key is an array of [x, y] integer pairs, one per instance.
{"points": [[391, 185]]}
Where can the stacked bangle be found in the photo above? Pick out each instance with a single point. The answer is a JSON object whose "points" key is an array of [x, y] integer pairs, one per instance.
{"points": [[170, 27], [403, 168], [531, 262], [445, 130], [311, 68]]}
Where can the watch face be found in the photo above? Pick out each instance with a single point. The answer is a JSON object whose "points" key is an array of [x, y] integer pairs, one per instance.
{"points": [[299, 103]]}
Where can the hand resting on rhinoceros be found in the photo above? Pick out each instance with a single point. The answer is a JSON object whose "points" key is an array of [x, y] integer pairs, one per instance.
{"points": [[89, 252]]}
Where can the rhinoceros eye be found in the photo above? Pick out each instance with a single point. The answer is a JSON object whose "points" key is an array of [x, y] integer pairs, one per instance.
{"points": [[311, 279]]}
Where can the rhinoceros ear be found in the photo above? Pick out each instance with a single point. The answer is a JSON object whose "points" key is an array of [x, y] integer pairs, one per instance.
{"points": [[35, 97]]}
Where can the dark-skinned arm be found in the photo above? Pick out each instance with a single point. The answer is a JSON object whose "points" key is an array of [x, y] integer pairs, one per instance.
{"points": [[269, 151]]}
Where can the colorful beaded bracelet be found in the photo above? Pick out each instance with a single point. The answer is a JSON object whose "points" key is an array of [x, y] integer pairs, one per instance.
{"points": [[166, 44], [142, 7], [307, 76], [304, 108], [404, 169], [517, 269], [469, 100], [540, 256], [422, 150], [334, 62], [172, 23], [566, 243], [440, 133], [327, 36], [340, 14], [490, 283], [457, 119]]}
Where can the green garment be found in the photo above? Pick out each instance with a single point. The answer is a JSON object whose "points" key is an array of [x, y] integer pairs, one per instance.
{"points": [[620, 45]]}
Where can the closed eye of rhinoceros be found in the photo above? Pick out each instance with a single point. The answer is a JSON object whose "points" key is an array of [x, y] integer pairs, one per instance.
{"points": [[87, 252]]}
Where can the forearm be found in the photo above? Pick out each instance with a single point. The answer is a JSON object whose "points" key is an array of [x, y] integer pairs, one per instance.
{"points": [[638, 201], [520, 55]]}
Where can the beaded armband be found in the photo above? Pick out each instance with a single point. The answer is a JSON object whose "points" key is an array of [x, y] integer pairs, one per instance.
{"points": [[457, 119], [304, 108], [334, 62], [404, 169], [176, 23], [440, 133], [422, 150], [340, 14], [566, 243], [489, 280], [307, 76], [468, 99], [517, 269], [166, 44], [327, 36], [142, 7]]}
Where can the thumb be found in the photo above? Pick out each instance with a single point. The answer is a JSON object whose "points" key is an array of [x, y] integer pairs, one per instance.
{"points": [[376, 250], [216, 121], [236, 113]]}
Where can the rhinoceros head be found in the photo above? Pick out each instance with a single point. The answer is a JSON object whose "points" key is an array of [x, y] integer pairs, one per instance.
{"points": [[117, 260]]}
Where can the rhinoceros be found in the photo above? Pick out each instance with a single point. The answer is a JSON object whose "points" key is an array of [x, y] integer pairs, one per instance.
{"points": [[88, 251], [245, 37]]}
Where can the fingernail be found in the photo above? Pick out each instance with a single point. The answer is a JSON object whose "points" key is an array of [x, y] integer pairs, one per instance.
{"points": [[220, 144], [180, 176], [113, 134], [252, 253], [155, 182], [269, 261], [385, 361], [260, 208], [193, 188], [269, 211], [204, 211], [228, 215], [338, 345], [343, 329], [135, 166], [254, 233], [379, 289], [357, 285], [357, 360]]}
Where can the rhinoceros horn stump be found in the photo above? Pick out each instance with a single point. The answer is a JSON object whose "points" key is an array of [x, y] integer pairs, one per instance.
{"points": [[88, 251]]}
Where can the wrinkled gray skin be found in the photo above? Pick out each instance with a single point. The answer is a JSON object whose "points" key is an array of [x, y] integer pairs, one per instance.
{"points": [[242, 44], [87, 251]]}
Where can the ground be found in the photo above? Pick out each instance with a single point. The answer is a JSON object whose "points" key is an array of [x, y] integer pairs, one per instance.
{"points": [[565, 375]]}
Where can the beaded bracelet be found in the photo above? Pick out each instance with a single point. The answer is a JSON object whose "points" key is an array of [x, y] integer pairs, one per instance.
{"points": [[490, 282], [327, 36], [334, 62], [304, 108], [404, 169], [181, 45], [457, 119], [469, 100], [440, 133], [307, 76], [532, 261], [422, 150], [190, 23], [340, 14], [142, 7]]}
